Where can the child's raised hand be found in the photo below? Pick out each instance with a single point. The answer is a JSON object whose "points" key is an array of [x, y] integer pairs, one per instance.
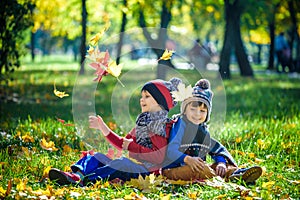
{"points": [[96, 122], [126, 143]]}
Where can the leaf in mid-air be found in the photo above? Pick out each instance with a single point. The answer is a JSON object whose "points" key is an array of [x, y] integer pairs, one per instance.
{"points": [[166, 55], [59, 93], [95, 39], [182, 93], [114, 69]]}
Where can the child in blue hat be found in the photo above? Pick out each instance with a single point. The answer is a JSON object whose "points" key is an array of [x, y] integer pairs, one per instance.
{"points": [[190, 142]]}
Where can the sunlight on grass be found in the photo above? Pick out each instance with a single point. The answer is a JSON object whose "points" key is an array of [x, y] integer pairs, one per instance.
{"points": [[261, 128]]}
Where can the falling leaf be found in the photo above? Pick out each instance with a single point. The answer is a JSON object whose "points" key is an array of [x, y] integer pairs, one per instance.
{"points": [[114, 69], [166, 55], [59, 93], [95, 39], [183, 92]]}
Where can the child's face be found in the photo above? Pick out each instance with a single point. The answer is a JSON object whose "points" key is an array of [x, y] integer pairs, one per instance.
{"points": [[196, 113], [148, 103]]}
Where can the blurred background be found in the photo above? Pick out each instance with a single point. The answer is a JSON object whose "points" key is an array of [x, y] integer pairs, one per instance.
{"points": [[206, 34]]}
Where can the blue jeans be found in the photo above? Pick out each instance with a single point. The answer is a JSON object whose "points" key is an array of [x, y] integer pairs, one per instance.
{"points": [[99, 167]]}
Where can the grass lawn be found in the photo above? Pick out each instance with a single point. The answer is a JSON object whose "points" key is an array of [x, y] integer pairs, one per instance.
{"points": [[258, 120]]}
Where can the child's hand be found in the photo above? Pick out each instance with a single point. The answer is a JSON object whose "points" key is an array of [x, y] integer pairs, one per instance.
{"points": [[196, 163], [96, 122], [126, 143], [221, 169]]}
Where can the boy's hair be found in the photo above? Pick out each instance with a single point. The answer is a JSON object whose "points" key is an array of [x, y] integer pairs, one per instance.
{"points": [[197, 104]]}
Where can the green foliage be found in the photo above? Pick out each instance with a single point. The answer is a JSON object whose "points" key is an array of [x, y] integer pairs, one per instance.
{"points": [[15, 18]]}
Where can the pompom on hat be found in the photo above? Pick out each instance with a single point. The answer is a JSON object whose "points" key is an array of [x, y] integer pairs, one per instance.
{"points": [[201, 93], [161, 91]]}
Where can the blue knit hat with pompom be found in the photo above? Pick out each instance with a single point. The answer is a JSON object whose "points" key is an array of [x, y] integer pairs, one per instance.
{"points": [[201, 93]]}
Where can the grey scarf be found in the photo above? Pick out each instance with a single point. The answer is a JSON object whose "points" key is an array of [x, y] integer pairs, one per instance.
{"points": [[150, 123]]}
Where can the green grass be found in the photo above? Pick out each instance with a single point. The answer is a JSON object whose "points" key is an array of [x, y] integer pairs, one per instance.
{"points": [[261, 127]]}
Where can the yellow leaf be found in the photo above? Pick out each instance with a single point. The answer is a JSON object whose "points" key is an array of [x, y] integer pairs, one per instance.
{"points": [[167, 197], [46, 171], [183, 92], [166, 55], [21, 185], [95, 39], [59, 93], [192, 195], [27, 138], [268, 185], [114, 69], [257, 160], [2, 192], [50, 146], [222, 196], [67, 149], [251, 155], [238, 139]]}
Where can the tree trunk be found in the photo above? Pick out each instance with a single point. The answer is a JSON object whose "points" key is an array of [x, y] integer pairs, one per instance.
{"points": [[242, 58], [83, 37], [272, 39], [158, 45], [259, 47], [294, 36], [233, 41], [32, 41], [122, 30], [226, 54]]}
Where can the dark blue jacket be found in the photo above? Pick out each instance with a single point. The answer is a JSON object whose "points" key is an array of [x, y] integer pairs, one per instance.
{"points": [[183, 142]]}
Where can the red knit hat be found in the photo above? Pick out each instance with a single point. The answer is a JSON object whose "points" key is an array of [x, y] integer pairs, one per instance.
{"points": [[161, 91]]}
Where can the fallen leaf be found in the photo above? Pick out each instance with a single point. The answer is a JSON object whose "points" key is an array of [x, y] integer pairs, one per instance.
{"points": [[49, 146]]}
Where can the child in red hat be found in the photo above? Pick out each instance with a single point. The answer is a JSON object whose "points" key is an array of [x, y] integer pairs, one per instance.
{"points": [[146, 142]]}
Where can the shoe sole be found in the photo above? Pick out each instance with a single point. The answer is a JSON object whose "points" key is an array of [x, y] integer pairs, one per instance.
{"points": [[57, 176], [252, 174]]}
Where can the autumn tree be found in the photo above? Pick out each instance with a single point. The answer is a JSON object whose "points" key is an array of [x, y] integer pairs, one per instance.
{"points": [[233, 41], [158, 44], [14, 20]]}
